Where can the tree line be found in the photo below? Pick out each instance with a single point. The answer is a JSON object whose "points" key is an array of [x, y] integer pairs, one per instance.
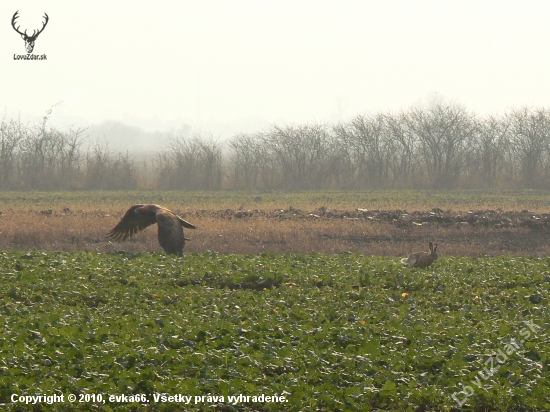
{"points": [[442, 146]]}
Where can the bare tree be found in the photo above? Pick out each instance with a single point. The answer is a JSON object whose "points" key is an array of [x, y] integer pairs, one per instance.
{"points": [[371, 150], [529, 133], [249, 162], [301, 154], [442, 132], [403, 162], [70, 158], [191, 164], [344, 156], [107, 169], [440, 146], [98, 160], [11, 133], [487, 152]]}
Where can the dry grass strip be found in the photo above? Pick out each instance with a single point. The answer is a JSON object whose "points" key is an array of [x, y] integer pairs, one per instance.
{"points": [[84, 230]]}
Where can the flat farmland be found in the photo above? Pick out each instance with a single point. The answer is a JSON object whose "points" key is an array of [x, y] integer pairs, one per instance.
{"points": [[326, 332], [297, 297], [382, 223]]}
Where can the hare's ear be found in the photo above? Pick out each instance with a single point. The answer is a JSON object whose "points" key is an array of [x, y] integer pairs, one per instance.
{"points": [[431, 246], [434, 248]]}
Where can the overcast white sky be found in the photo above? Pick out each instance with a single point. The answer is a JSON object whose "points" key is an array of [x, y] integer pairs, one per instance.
{"points": [[237, 65]]}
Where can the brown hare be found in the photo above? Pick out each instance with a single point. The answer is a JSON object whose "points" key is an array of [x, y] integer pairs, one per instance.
{"points": [[421, 259]]}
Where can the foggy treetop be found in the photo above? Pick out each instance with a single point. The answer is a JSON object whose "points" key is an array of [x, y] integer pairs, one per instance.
{"points": [[442, 146]]}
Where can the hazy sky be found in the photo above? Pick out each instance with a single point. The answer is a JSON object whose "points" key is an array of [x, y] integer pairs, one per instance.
{"points": [[236, 65]]}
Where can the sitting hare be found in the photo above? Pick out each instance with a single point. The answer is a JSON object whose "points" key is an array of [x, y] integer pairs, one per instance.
{"points": [[421, 259]]}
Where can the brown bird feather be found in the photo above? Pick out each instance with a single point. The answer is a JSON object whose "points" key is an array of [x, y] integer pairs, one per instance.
{"points": [[170, 226]]}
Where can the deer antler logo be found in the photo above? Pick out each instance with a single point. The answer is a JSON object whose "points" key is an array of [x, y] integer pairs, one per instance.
{"points": [[29, 40]]}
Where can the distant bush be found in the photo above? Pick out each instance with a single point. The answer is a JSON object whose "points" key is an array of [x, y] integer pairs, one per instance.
{"points": [[442, 146]]}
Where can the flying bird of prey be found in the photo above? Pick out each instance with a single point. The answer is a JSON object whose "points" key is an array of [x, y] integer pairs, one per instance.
{"points": [[170, 226]]}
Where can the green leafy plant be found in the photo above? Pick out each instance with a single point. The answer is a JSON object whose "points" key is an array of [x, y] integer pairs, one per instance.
{"points": [[329, 332]]}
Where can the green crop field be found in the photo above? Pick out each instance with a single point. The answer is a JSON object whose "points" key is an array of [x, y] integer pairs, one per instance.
{"points": [[287, 332]]}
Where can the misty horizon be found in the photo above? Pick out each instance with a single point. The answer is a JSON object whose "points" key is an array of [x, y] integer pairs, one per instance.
{"points": [[234, 68]]}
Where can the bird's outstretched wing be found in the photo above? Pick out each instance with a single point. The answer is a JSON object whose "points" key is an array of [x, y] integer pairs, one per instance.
{"points": [[131, 223], [186, 224], [170, 232]]}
